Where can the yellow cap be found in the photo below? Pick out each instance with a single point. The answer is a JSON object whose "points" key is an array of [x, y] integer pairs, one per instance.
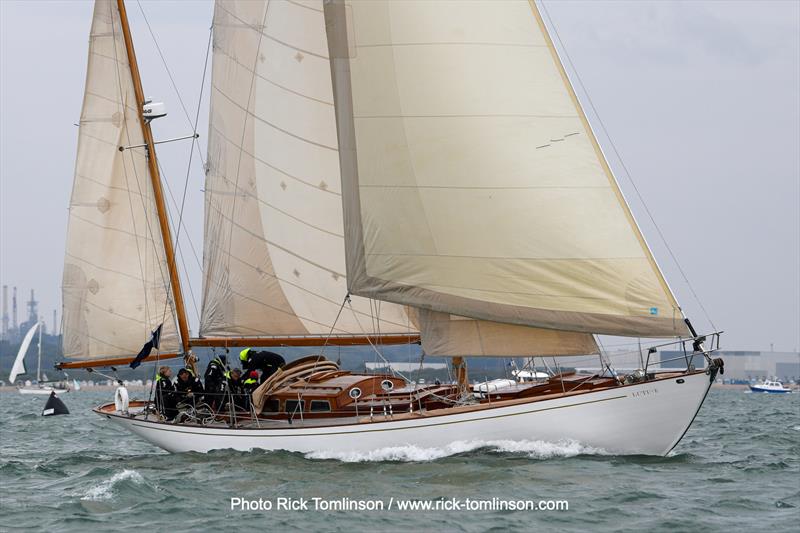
{"points": [[243, 354]]}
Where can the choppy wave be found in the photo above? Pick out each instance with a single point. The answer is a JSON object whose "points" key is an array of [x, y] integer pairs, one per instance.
{"points": [[409, 453], [75, 473], [105, 490]]}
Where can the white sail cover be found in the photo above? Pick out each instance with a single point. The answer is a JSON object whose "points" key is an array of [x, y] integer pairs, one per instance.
{"points": [[19, 362], [274, 248], [472, 182], [115, 286]]}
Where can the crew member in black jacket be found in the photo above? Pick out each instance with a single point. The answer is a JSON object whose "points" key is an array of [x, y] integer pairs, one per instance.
{"points": [[188, 387], [216, 377], [267, 362], [241, 400], [166, 397]]}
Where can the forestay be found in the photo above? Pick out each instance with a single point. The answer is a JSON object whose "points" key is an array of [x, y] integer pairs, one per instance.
{"points": [[115, 285], [472, 182]]}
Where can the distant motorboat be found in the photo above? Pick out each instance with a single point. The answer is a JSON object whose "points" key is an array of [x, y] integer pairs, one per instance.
{"points": [[772, 387]]}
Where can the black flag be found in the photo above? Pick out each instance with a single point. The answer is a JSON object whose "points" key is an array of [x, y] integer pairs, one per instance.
{"points": [[148, 346]]}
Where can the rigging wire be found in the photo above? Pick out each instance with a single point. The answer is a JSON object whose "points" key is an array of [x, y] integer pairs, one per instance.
{"points": [[394, 371], [180, 224], [176, 207], [624, 166], [180, 253], [171, 78]]}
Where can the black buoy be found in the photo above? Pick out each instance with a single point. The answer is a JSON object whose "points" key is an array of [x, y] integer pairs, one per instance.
{"points": [[54, 406]]}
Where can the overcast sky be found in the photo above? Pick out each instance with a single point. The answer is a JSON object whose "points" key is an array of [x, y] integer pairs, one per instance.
{"points": [[701, 100]]}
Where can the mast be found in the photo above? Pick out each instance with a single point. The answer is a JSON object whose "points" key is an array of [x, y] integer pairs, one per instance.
{"points": [[39, 359], [158, 192], [462, 380]]}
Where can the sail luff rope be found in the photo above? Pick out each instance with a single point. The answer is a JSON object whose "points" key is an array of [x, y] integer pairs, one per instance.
{"points": [[625, 168]]}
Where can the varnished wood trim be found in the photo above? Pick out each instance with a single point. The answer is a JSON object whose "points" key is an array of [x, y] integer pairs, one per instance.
{"points": [[113, 361]]}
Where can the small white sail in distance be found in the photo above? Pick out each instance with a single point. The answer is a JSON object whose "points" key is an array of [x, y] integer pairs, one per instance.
{"points": [[19, 362]]}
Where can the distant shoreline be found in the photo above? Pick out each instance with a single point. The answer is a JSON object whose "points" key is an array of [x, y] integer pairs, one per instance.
{"points": [[111, 388]]}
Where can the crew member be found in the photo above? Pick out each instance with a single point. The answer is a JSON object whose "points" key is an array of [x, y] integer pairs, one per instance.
{"points": [[250, 381], [267, 362], [215, 377], [189, 389], [166, 398], [236, 389]]}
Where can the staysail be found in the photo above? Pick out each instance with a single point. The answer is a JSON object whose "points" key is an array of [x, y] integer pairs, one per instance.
{"points": [[274, 240], [472, 182], [443, 334], [19, 362], [116, 280]]}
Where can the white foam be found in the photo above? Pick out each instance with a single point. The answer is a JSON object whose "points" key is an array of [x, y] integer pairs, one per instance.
{"points": [[535, 449], [539, 449], [105, 490]]}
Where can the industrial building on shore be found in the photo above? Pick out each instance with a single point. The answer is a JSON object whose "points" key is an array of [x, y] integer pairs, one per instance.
{"points": [[745, 365]]}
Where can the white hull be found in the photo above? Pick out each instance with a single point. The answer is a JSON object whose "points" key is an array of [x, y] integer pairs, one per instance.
{"points": [[647, 418], [41, 390]]}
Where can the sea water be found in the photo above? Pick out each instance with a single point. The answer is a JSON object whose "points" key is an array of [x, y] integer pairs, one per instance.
{"points": [[737, 469]]}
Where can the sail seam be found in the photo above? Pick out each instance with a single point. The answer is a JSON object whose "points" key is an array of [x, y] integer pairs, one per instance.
{"points": [[289, 282], [113, 271], [270, 124], [270, 81], [501, 257], [264, 239], [451, 43], [298, 4], [270, 165], [258, 199], [475, 115], [263, 33], [477, 188]]}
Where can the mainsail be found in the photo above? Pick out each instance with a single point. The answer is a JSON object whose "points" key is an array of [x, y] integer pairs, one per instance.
{"points": [[472, 182], [115, 286], [274, 241], [19, 362]]}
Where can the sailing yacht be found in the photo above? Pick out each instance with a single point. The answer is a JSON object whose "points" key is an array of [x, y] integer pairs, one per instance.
{"points": [[42, 386], [378, 173]]}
